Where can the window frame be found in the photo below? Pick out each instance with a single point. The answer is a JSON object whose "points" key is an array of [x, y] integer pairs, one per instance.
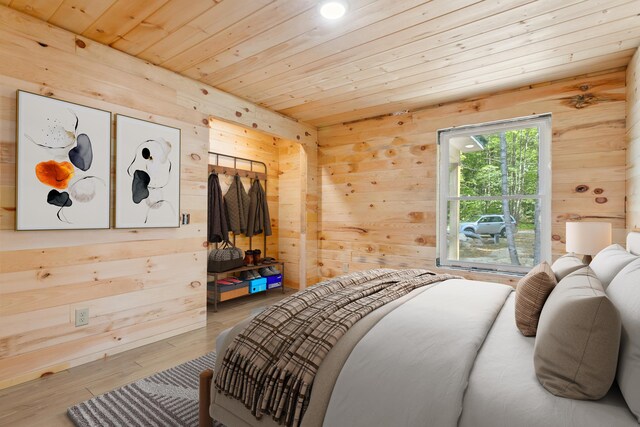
{"points": [[543, 122]]}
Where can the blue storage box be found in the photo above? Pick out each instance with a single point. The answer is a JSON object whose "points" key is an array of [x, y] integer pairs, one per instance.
{"points": [[274, 281], [274, 285], [257, 285]]}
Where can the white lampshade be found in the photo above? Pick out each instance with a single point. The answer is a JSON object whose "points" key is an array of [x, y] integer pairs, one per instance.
{"points": [[588, 238]]}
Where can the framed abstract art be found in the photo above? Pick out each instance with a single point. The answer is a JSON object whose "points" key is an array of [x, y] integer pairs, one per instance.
{"points": [[63, 165], [147, 174]]}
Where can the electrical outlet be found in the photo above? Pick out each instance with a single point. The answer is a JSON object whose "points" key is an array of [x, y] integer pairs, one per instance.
{"points": [[345, 267], [82, 316]]}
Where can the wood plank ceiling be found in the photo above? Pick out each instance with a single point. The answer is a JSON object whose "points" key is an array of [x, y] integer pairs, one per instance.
{"points": [[384, 56]]}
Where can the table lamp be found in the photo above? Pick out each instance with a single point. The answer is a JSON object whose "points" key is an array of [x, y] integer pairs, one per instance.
{"points": [[588, 238]]}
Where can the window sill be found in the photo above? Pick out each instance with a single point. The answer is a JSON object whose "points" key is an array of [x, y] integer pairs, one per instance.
{"points": [[484, 275], [482, 270]]}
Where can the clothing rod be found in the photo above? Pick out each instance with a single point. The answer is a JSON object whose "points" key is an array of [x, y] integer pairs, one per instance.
{"points": [[227, 170], [235, 159]]}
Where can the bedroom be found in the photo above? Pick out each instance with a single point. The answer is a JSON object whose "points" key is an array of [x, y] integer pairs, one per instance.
{"points": [[345, 115]]}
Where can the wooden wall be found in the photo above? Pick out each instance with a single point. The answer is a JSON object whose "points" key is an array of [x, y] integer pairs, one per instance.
{"points": [[140, 285], [298, 213], [633, 141], [290, 211], [311, 215], [378, 176]]}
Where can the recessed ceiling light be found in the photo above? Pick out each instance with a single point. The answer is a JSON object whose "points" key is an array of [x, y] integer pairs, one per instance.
{"points": [[333, 9], [469, 146]]}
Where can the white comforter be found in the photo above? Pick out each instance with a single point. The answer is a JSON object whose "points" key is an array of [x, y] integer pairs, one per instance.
{"points": [[503, 389], [412, 368], [447, 355]]}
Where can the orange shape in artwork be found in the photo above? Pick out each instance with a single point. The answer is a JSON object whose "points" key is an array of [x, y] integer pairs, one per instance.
{"points": [[54, 174]]}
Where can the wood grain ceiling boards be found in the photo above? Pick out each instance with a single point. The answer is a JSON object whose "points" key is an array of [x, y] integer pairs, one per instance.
{"points": [[384, 56]]}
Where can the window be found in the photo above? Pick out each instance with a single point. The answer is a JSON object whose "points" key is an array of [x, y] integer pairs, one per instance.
{"points": [[494, 200]]}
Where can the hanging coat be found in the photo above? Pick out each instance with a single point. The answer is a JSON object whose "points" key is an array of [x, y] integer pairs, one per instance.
{"points": [[259, 219], [237, 202], [217, 226]]}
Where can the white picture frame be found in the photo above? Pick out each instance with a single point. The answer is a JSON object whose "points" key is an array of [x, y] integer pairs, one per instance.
{"points": [[63, 164], [147, 174]]}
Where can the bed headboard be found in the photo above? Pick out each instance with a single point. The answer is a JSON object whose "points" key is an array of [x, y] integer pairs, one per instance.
{"points": [[633, 242]]}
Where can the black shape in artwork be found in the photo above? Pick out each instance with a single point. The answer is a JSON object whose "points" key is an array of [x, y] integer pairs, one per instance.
{"points": [[57, 198], [82, 154], [140, 186], [146, 154]]}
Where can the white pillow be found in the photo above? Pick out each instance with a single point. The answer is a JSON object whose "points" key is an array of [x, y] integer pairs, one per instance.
{"points": [[566, 265], [624, 292], [609, 262]]}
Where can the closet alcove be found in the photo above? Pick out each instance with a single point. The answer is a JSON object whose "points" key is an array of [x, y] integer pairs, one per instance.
{"points": [[236, 147]]}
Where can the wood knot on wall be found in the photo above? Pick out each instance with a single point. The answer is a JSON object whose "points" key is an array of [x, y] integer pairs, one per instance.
{"points": [[361, 146], [416, 216], [583, 101], [582, 188], [359, 230]]}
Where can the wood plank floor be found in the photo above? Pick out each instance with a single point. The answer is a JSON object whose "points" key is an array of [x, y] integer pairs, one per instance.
{"points": [[44, 402]]}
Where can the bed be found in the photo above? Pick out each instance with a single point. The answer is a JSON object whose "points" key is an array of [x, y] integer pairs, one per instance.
{"points": [[442, 355]]}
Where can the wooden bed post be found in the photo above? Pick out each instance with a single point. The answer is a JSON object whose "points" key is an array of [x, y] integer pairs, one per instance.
{"points": [[204, 419]]}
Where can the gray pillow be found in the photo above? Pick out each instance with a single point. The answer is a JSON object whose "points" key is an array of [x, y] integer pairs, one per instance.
{"points": [[609, 262], [578, 338], [624, 292], [566, 265]]}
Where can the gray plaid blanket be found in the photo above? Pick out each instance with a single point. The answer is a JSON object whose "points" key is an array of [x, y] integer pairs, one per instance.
{"points": [[271, 365]]}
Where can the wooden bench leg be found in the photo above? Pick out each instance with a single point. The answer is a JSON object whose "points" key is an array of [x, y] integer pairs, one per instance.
{"points": [[204, 400]]}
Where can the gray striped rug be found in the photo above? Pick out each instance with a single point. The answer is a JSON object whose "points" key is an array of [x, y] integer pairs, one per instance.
{"points": [[168, 398]]}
